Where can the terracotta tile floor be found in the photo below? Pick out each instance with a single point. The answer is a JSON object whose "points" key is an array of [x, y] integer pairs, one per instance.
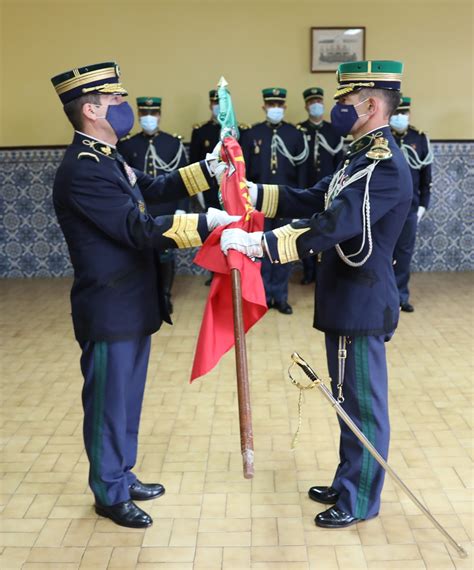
{"points": [[211, 517]]}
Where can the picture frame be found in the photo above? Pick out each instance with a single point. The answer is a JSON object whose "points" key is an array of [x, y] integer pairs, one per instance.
{"points": [[331, 46]]}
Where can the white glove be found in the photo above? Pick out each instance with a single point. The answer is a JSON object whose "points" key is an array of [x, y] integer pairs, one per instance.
{"points": [[253, 192], [420, 213], [179, 212], [248, 243], [213, 162], [216, 218]]}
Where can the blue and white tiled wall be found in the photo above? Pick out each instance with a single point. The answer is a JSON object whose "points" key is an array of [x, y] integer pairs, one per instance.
{"points": [[31, 243]]}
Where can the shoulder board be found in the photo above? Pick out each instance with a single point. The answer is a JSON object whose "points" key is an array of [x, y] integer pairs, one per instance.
{"points": [[379, 149], [89, 155], [300, 127], [176, 136], [125, 138], [244, 126], [413, 128], [199, 125]]}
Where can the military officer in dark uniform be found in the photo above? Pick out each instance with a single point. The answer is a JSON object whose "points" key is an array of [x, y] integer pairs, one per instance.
{"points": [[275, 153], [204, 138], [416, 147], [156, 152], [116, 298], [354, 218], [325, 153]]}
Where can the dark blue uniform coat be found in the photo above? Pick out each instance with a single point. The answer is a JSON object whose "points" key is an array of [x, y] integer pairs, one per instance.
{"points": [[167, 147], [111, 239], [358, 303], [421, 197], [203, 139]]}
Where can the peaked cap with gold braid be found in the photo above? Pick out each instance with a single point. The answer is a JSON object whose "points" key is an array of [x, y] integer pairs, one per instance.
{"points": [[374, 74]]}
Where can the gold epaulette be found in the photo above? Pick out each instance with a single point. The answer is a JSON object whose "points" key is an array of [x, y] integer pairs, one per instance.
{"points": [[199, 125], [300, 127], [379, 149], [176, 136], [194, 179], [244, 126], [184, 231], [89, 155], [126, 137]]}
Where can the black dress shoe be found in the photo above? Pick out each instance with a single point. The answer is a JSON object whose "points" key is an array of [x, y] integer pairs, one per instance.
{"points": [[145, 492], [407, 308], [325, 495], [125, 514], [334, 518], [284, 308]]}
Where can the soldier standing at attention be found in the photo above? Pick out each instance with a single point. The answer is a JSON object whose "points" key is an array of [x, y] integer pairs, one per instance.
{"points": [[155, 152], [116, 298], [416, 147], [325, 154], [354, 218], [275, 153], [204, 137]]}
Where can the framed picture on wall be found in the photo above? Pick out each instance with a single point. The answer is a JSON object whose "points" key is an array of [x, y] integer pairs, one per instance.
{"points": [[332, 46]]}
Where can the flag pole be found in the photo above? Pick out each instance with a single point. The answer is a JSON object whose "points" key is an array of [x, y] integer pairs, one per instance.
{"points": [[229, 128]]}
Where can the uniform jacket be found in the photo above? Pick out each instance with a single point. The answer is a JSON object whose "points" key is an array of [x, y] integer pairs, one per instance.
{"points": [[101, 204], [422, 177], [352, 301], [320, 163], [134, 151], [256, 146], [203, 139]]}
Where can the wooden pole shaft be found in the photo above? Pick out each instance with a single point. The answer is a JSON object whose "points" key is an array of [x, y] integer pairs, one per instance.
{"points": [[243, 390]]}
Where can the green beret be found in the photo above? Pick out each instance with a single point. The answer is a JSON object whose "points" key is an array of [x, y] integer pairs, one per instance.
{"points": [[372, 74]]}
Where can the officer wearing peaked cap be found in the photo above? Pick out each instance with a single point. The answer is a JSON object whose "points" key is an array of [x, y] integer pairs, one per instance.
{"points": [[275, 153], [102, 208], [204, 137], [416, 147], [156, 152], [325, 154], [354, 219]]}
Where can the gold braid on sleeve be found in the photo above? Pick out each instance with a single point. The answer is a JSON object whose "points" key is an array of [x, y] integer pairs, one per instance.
{"points": [[193, 178], [286, 242], [184, 231], [270, 200]]}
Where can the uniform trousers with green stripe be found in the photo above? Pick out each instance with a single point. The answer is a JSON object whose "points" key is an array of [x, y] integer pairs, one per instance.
{"points": [[114, 382], [359, 478]]}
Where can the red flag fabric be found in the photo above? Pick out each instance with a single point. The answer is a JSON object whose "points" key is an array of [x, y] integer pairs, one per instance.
{"points": [[216, 336]]}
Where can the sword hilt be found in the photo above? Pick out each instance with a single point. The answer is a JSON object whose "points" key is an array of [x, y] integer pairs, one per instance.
{"points": [[310, 373]]}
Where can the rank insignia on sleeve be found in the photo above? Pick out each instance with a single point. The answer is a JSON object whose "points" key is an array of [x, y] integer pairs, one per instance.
{"points": [[141, 206], [379, 149]]}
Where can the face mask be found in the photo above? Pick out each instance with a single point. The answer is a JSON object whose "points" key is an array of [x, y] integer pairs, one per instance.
{"points": [[399, 122], [215, 110], [344, 117], [120, 118], [275, 114], [316, 110], [149, 123]]}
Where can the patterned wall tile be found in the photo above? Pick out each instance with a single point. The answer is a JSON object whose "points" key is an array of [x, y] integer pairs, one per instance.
{"points": [[31, 243]]}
